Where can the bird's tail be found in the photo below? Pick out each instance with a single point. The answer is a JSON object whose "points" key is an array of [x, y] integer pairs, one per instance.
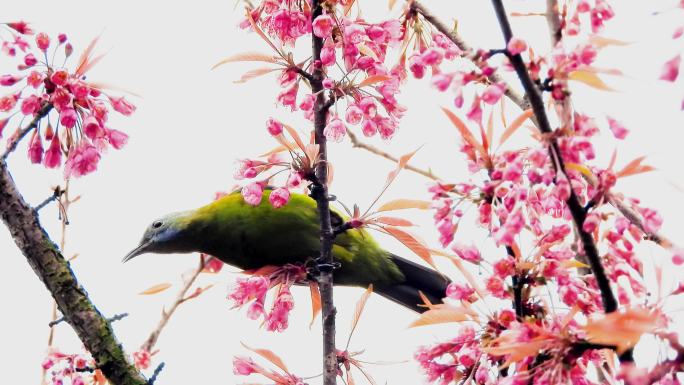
{"points": [[418, 279]]}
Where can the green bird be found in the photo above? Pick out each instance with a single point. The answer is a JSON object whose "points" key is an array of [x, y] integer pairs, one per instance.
{"points": [[250, 237]]}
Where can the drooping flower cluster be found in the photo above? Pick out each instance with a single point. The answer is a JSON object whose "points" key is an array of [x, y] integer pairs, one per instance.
{"points": [[75, 369], [78, 126], [253, 290]]}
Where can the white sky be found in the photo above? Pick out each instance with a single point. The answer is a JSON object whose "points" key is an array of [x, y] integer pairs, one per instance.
{"points": [[192, 123]]}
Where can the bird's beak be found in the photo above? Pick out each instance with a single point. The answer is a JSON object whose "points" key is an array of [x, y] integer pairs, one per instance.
{"points": [[141, 249]]}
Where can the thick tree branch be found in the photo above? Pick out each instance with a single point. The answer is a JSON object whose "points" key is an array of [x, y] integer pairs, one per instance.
{"points": [[48, 263], [320, 193]]}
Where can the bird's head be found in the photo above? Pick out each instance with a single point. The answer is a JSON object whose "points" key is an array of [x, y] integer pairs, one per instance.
{"points": [[165, 235]]}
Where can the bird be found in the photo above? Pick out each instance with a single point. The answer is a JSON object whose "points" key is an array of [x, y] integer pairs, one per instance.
{"points": [[250, 237]]}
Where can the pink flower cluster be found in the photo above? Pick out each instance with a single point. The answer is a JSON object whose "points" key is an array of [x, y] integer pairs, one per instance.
{"points": [[253, 290], [71, 368], [448, 362], [81, 108]]}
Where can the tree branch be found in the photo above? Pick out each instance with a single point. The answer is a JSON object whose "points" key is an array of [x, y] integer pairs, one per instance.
{"points": [[320, 193], [578, 214], [48, 263]]}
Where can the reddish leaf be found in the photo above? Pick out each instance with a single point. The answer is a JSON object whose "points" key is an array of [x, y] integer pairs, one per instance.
{"points": [[515, 124], [403, 160], [83, 61], [443, 314], [246, 56], [392, 221], [621, 329], [255, 73], [315, 301], [155, 289], [412, 242], [293, 133], [589, 78], [465, 132], [348, 7], [634, 167], [359, 308], [270, 356], [374, 79], [400, 204]]}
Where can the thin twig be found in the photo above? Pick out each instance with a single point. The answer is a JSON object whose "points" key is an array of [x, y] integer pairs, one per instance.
{"points": [[11, 146], [157, 370], [372, 149], [149, 343]]}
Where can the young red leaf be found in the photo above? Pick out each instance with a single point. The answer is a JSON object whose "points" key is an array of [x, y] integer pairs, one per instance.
{"points": [[374, 79], [400, 204], [589, 78], [249, 75], [270, 356], [412, 242], [155, 289], [85, 58], [392, 221], [465, 132], [634, 167], [246, 56], [442, 314], [359, 308], [293, 133], [315, 301], [515, 124]]}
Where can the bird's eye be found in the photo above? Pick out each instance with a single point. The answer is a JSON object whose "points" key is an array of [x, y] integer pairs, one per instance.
{"points": [[156, 224]]}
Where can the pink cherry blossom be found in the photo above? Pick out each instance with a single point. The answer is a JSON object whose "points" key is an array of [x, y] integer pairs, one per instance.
{"points": [[353, 115], [30, 60], [328, 55], [493, 93], [121, 105], [116, 138], [619, 130], [244, 366], [335, 130], [68, 117], [678, 258], [277, 319], [22, 27], [442, 81], [468, 253], [81, 160], [279, 197], [35, 150], [274, 127], [459, 291], [670, 70], [59, 78], [142, 359], [53, 155], [369, 128], [516, 45], [252, 193], [323, 26], [30, 105], [288, 97], [91, 126], [42, 41], [9, 80]]}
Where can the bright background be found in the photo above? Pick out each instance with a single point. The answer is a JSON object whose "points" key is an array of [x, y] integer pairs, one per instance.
{"points": [[192, 123]]}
